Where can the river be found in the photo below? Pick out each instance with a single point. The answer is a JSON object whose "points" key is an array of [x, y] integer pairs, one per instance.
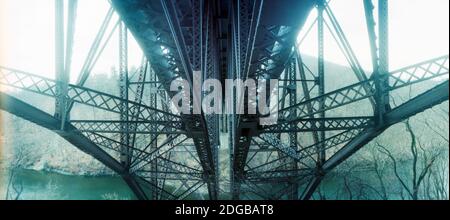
{"points": [[41, 185]]}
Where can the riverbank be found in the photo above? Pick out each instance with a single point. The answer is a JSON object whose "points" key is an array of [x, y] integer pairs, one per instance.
{"points": [[43, 185]]}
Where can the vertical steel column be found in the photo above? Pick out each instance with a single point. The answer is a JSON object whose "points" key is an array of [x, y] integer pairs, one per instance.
{"points": [[293, 135], [383, 20], [382, 77], [233, 74], [60, 75], [381, 73], [321, 74], [154, 146], [370, 23], [305, 89], [123, 83], [164, 99], [241, 25], [317, 179], [197, 34], [212, 72], [71, 17]]}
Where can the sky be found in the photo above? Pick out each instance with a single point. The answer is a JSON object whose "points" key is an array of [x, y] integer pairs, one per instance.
{"points": [[419, 30]]}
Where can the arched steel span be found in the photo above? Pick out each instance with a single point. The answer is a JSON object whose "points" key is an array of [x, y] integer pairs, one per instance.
{"points": [[235, 39]]}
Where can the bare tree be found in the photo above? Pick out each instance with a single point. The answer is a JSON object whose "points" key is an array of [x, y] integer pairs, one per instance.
{"points": [[357, 185], [15, 187], [422, 163], [437, 181], [354, 184], [379, 170], [441, 128], [320, 195], [348, 180]]}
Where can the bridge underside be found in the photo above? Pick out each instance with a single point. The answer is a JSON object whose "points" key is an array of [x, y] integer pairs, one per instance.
{"points": [[153, 148]]}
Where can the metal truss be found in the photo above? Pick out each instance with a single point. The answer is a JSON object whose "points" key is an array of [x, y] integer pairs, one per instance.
{"points": [[420, 72], [139, 127], [165, 155], [142, 138], [319, 124], [44, 86], [165, 38], [305, 116], [268, 50], [333, 100]]}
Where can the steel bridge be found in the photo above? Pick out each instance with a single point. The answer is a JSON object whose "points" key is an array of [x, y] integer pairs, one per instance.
{"points": [[152, 147]]}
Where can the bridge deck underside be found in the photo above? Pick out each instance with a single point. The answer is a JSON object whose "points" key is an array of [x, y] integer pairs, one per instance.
{"points": [[155, 27]]}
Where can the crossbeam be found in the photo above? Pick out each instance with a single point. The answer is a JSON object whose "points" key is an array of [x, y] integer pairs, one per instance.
{"points": [[44, 86]]}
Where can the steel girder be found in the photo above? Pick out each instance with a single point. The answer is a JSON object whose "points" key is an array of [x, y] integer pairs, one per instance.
{"points": [[417, 73], [404, 77], [44, 86], [319, 124], [165, 31], [61, 76], [264, 33], [277, 176], [139, 127], [142, 157], [335, 99], [125, 152]]}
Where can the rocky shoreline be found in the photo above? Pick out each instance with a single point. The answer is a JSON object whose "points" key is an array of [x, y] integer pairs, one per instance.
{"points": [[92, 172]]}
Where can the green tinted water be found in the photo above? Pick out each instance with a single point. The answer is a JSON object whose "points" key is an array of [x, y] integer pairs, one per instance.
{"points": [[39, 185]]}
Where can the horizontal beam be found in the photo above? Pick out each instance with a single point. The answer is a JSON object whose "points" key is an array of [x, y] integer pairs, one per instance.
{"points": [[319, 124], [275, 142], [279, 175], [420, 72], [169, 175], [407, 76], [44, 86], [427, 100], [139, 127], [332, 100]]}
